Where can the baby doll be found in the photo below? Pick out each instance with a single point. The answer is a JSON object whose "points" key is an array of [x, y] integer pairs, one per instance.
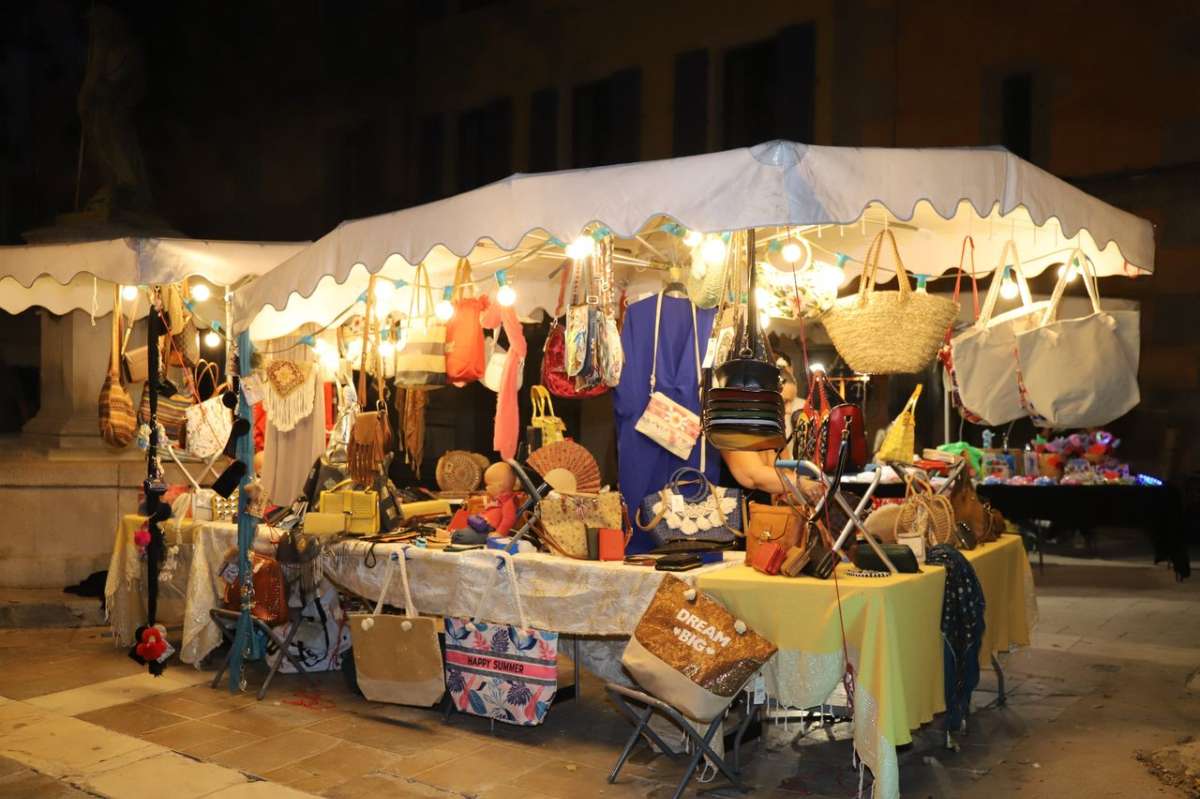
{"points": [[500, 513]]}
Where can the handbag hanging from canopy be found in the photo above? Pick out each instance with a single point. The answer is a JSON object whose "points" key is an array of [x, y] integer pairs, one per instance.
{"points": [[117, 422], [984, 364], [371, 435], [421, 354], [743, 409], [1080, 372], [555, 376], [888, 332], [465, 362]]}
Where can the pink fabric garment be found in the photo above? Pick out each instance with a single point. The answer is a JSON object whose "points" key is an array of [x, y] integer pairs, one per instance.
{"points": [[508, 416]]}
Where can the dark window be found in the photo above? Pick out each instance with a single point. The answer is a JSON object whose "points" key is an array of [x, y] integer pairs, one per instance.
{"points": [[543, 130], [484, 144], [354, 178], [691, 103], [1016, 114], [607, 117], [770, 88], [431, 151]]}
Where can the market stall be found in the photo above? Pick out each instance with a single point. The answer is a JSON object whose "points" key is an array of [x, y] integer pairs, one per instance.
{"points": [[659, 279]]}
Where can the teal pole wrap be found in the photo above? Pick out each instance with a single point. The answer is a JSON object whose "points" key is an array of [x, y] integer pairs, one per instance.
{"points": [[247, 525]]}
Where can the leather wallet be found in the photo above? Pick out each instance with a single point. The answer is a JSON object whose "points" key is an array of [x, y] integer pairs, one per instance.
{"points": [[768, 558]]}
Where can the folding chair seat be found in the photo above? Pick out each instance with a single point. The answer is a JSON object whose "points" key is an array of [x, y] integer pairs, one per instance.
{"points": [[227, 621]]}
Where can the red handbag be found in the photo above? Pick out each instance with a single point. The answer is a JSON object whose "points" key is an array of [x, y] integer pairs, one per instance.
{"points": [[554, 353], [768, 558], [834, 419]]}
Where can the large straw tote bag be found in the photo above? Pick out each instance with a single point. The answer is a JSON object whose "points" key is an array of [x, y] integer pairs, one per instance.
{"points": [[985, 364], [888, 332], [398, 659], [1080, 372], [705, 281]]}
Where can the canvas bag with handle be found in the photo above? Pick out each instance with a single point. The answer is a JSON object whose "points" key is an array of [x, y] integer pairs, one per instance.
{"points": [[1080, 372], [117, 422], [690, 652], [421, 361], [672, 426], [501, 671], [209, 422], [888, 332], [397, 658], [985, 368], [900, 441], [464, 332]]}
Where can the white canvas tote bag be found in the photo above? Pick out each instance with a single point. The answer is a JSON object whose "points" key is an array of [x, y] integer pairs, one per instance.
{"points": [[984, 355], [1080, 372]]}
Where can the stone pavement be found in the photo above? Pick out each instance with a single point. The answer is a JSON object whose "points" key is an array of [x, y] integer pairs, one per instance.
{"points": [[1105, 677]]}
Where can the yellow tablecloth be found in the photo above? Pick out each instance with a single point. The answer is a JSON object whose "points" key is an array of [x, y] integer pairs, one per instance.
{"points": [[124, 588], [893, 634]]}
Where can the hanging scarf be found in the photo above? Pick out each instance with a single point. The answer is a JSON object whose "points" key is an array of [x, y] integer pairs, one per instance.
{"points": [[962, 629], [508, 416]]}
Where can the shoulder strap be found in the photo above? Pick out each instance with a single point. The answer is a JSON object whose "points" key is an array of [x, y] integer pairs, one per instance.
{"points": [[114, 359]]}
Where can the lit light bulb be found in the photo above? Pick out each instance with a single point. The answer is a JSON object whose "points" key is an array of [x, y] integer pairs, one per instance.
{"points": [[200, 292], [583, 247], [129, 293], [506, 296], [212, 339], [693, 238], [386, 349], [713, 250], [354, 350], [791, 252], [385, 291], [816, 366], [444, 310], [1008, 289], [1070, 271]]}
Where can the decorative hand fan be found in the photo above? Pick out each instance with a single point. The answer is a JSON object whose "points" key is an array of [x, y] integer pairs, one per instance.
{"points": [[568, 456]]}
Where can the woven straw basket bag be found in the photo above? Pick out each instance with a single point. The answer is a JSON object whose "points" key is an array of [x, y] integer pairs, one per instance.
{"points": [[888, 332]]}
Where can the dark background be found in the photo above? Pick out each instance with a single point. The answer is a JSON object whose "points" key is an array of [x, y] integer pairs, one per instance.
{"points": [[276, 120]]}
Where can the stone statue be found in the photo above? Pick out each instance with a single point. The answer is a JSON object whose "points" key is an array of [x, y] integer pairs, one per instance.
{"points": [[113, 85]]}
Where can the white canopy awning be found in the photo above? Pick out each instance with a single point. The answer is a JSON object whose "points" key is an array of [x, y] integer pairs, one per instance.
{"points": [[63, 277], [837, 198]]}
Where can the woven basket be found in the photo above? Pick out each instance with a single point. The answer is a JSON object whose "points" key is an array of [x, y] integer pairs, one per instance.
{"points": [[888, 332]]}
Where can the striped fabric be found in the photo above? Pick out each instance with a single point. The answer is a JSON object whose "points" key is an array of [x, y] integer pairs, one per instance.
{"points": [[117, 422], [421, 362], [172, 413]]}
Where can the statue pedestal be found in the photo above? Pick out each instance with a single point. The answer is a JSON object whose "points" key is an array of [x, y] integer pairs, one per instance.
{"points": [[75, 357]]}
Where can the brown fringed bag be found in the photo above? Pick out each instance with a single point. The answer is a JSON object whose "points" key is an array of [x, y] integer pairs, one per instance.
{"points": [[117, 422], [371, 434]]}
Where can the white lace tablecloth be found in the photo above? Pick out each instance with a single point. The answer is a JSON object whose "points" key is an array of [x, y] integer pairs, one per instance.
{"points": [[597, 602], [125, 587], [211, 540]]}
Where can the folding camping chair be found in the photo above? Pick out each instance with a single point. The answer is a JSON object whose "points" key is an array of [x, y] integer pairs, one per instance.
{"points": [[227, 621], [639, 707]]}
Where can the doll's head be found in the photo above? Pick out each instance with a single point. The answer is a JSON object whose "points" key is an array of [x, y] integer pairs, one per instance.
{"points": [[499, 479]]}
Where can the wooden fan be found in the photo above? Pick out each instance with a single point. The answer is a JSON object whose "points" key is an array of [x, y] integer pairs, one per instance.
{"points": [[567, 456]]}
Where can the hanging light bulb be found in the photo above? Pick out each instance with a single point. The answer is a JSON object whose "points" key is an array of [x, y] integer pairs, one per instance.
{"points": [[129, 293], [506, 296], [386, 349], [354, 350], [816, 366], [791, 252], [582, 247], [1008, 287], [200, 292], [327, 356], [445, 309], [212, 339], [713, 250], [692, 238]]}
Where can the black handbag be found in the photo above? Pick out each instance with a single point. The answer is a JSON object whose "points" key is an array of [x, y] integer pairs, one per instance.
{"points": [[965, 536], [901, 556]]}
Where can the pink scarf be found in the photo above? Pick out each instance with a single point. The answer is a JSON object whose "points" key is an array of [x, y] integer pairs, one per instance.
{"points": [[508, 417]]}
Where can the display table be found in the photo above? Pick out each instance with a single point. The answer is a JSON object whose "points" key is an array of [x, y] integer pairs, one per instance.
{"points": [[893, 636], [1156, 509], [125, 586]]}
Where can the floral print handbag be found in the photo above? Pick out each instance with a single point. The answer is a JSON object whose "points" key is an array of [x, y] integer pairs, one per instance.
{"points": [[501, 671]]}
